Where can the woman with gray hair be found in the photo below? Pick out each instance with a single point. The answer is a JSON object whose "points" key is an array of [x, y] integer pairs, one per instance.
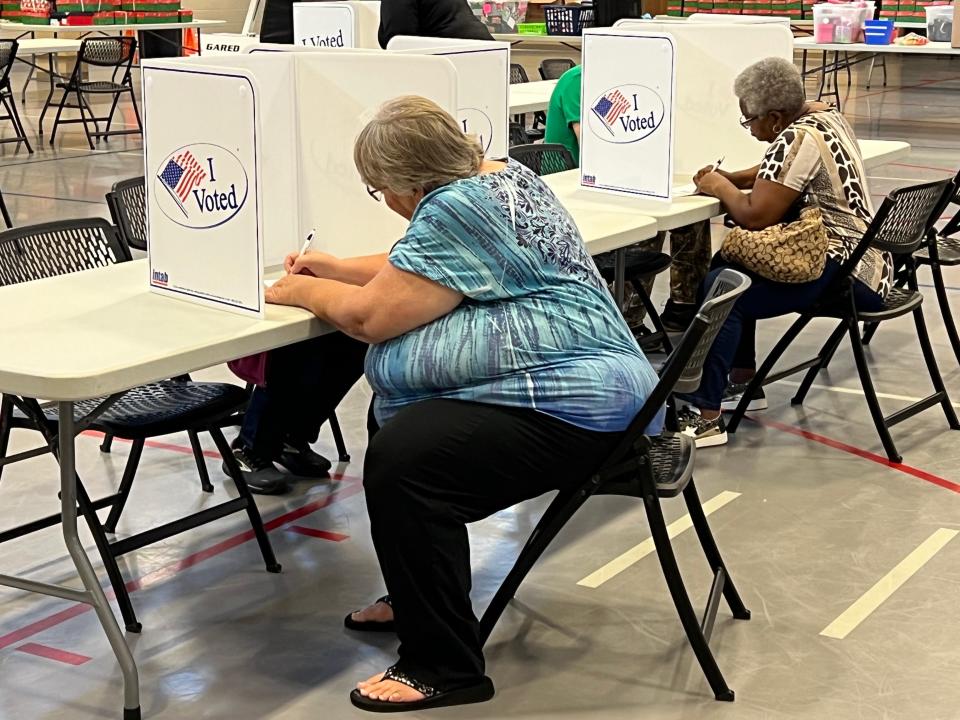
{"points": [[501, 370], [813, 158]]}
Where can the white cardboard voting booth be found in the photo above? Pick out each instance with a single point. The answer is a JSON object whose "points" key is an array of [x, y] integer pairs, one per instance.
{"points": [[709, 58], [226, 43], [483, 72], [263, 156], [627, 125], [336, 24]]}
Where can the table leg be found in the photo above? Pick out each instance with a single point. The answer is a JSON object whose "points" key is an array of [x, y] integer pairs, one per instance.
{"points": [[619, 279], [68, 503]]}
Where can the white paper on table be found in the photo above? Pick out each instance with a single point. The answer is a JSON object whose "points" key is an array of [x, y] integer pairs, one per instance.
{"points": [[685, 190]]}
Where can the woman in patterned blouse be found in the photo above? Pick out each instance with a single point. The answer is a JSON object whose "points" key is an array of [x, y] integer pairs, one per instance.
{"points": [[813, 154], [501, 369]]}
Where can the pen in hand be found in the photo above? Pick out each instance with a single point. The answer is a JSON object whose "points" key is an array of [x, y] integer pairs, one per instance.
{"points": [[718, 163], [306, 243]]}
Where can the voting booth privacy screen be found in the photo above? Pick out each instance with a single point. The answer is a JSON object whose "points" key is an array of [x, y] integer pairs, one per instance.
{"points": [[336, 24], [627, 126], [483, 72], [263, 157]]}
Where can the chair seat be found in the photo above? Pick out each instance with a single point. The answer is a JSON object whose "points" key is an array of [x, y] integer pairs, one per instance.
{"points": [[639, 263], [159, 409], [899, 302], [672, 460], [948, 252], [98, 86]]}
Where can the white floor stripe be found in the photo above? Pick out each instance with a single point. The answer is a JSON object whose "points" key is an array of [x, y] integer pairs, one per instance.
{"points": [[636, 554], [888, 584], [857, 391]]}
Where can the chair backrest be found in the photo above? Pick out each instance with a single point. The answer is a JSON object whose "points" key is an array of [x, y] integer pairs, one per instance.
{"points": [[544, 158], [903, 221], [58, 248], [683, 370], [953, 224], [553, 68], [518, 136], [8, 54], [107, 51], [518, 74], [127, 201]]}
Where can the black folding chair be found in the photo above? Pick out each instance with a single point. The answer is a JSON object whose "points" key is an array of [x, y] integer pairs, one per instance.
{"points": [[903, 222], [5, 213], [518, 75], [640, 264], [112, 52], [127, 201], [941, 249], [651, 468], [554, 68], [518, 135], [160, 408], [8, 55]]}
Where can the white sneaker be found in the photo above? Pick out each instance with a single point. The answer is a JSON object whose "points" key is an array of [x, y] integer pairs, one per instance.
{"points": [[706, 433]]}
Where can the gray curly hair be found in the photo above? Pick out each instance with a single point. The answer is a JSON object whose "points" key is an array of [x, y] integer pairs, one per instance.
{"points": [[768, 85]]}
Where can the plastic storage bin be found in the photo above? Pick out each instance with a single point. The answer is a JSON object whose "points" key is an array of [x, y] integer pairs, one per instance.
{"points": [[878, 32], [939, 23], [841, 22], [568, 19]]}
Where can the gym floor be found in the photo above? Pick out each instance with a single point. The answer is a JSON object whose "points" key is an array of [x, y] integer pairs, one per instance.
{"points": [[848, 563]]}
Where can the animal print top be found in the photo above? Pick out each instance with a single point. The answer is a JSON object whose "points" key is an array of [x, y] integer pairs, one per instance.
{"points": [[818, 154]]}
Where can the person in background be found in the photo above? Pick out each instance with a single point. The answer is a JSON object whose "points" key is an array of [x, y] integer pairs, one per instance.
{"points": [[276, 26], [489, 328], [430, 18], [813, 152], [689, 246]]}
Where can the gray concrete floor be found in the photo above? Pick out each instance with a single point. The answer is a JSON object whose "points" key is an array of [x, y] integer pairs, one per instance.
{"points": [[810, 519]]}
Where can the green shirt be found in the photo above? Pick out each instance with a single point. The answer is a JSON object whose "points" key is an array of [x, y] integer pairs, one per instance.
{"points": [[564, 110]]}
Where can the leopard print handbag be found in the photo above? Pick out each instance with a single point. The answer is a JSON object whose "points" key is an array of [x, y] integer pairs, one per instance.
{"points": [[793, 252]]}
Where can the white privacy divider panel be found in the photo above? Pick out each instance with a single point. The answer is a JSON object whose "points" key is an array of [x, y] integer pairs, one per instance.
{"points": [[709, 58], [336, 24], [483, 74]]}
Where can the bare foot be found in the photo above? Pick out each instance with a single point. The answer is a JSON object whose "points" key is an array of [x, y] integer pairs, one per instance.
{"points": [[376, 688], [378, 612]]}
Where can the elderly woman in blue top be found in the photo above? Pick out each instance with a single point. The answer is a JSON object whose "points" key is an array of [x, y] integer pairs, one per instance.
{"points": [[501, 370]]}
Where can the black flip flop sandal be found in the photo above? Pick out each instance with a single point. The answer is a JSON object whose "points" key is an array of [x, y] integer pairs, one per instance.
{"points": [[478, 693], [370, 625]]}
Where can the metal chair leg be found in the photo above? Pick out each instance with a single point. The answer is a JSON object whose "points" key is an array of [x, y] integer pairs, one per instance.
{"points": [[5, 213], [654, 317], [710, 549], [825, 355], [56, 119], [556, 516], [944, 302], [201, 461], [931, 360], [6, 418], [871, 394], [251, 506], [688, 618], [126, 482], [81, 104], [107, 445], [757, 382], [342, 453]]}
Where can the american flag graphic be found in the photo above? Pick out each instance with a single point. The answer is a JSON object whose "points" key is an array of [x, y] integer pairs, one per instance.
{"points": [[181, 175], [611, 106]]}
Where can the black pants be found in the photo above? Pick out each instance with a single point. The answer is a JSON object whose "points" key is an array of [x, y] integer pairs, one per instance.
{"points": [[305, 383], [434, 467]]}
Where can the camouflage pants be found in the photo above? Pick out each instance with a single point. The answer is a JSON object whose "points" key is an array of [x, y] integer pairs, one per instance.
{"points": [[691, 253]]}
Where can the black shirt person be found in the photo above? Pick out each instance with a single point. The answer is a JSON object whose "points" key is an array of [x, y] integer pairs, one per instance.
{"points": [[430, 18]]}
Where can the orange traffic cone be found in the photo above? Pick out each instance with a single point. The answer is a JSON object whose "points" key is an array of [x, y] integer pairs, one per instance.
{"points": [[191, 42]]}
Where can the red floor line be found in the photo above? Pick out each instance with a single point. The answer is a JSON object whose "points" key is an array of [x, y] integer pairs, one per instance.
{"points": [[321, 534], [184, 449], [51, 653], [352, 487], [859, 452]]}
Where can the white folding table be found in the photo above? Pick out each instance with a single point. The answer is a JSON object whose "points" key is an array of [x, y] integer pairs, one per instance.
{"points": [[102, 332], [531, 97]]}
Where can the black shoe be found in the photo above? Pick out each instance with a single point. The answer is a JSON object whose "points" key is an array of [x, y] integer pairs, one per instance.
{"points": [[262, 477], [648, 340], [676, 317], [303, 461], [733, 393]]}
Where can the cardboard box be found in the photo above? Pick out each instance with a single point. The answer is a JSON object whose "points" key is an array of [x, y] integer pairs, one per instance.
{"points": [[185, 16], [955, 40]]}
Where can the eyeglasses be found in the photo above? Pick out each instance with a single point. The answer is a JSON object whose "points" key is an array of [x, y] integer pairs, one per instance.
{"points": [[746, 122], [375, 194]]}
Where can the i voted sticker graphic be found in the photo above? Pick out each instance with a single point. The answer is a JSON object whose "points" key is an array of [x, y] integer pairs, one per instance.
{"points": [[477, 122], [201, 186], [626, 114]]}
